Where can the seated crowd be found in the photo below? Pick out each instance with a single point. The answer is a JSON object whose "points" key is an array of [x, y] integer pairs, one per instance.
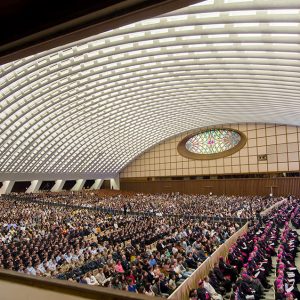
{"points": [[142, 253], [249, 261], [175, 203]]}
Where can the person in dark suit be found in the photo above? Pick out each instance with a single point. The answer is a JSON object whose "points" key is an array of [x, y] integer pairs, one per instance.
{"points": [[202, 293]]}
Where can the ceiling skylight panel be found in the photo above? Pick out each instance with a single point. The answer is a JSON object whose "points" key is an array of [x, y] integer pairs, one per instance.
{"points": [[217, 36], [96, 43], [176, 18], [283, 11], [43, 72], [254, 24], [126, 62], [135, 53], [126, 46], [191, 37], [284, 24], [116, 38], [242, 13], [159, 31], [150, 21], [237, 1], [249, 34], [107, 50], [208, 15], [184, 28], [137, 34], [174, 47], [213, 26], [287, 35], [82, 47], [145, 43], [222, 44]]}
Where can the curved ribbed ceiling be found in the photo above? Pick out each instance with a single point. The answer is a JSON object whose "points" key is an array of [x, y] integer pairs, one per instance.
{"points": [[92, 106]]}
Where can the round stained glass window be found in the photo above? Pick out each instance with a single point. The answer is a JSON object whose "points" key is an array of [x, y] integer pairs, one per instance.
{"points": [[212, 143]]}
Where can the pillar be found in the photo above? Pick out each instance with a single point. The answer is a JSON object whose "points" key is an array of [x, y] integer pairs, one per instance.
{"points": [[115, 183], [34, 186], [58, 185], [97, 184], [6, 187], [78, 185]]}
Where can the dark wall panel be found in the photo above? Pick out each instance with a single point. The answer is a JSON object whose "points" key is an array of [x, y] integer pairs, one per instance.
{"points": [[20, 186], [247, 186]]}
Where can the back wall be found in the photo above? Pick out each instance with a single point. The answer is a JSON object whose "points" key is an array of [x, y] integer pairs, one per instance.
{"points": [[281, 143]]}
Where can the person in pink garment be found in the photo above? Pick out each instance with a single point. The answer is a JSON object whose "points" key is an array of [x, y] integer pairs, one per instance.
{"points": [[119, 267]]}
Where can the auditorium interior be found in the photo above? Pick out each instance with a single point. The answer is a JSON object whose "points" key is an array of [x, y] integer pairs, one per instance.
{"points": [[150, 148]]}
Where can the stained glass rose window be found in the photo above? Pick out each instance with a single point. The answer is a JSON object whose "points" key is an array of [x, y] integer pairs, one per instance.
{"points": [[212, 143]]}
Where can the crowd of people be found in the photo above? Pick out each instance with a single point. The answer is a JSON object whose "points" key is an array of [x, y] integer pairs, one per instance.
{"points": [[246, 272], [148, 254], [287, 273], [164, 204]]}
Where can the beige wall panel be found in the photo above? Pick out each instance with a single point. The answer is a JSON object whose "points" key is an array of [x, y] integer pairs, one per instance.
{"points": [[261, 141], [294, 166], [282, 148], [282, 157], [236, 161], [283, 166], [293, 156], [252, 160], [253, 151], [272, 158], [271, 149], [270, 131], [261, 133], [261, 150], [227, 169], [263, 167], [236, 169], [212, 170], [220, 170], [280, 129], [252, 143], [271, 140], [253, 168], [292, 137], [291, 129], [245, 168], [244, 160], [279, 142], [251, 134], [272, 167], [281, 139], [293, 147]]}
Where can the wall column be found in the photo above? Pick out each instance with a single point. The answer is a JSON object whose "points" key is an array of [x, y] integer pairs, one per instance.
{"points": [[59, 184], [6, 187], [115, 183], [97, 184], [34, 186], [78, 185]]}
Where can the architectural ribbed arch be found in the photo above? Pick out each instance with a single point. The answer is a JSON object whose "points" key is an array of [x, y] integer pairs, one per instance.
{"points": [[91, 106]]}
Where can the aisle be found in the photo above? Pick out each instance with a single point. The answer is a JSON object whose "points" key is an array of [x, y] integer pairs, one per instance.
{"points": [[297, 260], [270, 294]]}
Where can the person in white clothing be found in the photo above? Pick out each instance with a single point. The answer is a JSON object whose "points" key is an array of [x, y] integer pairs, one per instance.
{"points": [[90, 279], [212, 292]]}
